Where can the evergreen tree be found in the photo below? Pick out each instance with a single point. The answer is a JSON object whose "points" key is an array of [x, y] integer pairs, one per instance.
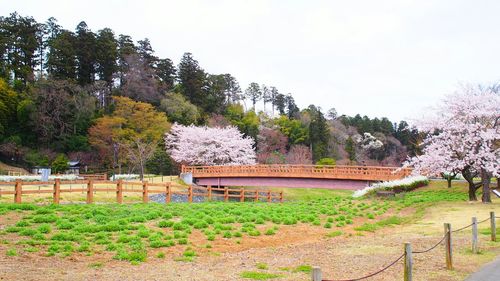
{"points": [[19, 44], [280, 103], [86, 54], [61, 62], [192, 80], [165, 71], [147, 53], [232, 89], [126, 48], [292, 110], [350, 148], [319, 134], [107, 55], [253, 93]]}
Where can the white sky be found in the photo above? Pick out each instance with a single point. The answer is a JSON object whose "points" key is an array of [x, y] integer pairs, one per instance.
{"points": [[379, 58]]}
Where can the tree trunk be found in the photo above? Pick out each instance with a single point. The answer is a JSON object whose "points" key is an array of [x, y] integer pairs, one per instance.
{"points": [[486, 178], [472, 194], [448, 179], [472, 186]]}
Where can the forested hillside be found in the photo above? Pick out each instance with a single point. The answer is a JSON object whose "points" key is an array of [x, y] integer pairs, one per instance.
{"points": [[107, 100]]}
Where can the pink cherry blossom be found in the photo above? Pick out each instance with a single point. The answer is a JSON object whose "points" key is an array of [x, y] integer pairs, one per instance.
{"points": [[209, 146]]}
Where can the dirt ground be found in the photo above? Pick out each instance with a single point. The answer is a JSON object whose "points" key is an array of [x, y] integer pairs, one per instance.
{"points": [[346, 256]]}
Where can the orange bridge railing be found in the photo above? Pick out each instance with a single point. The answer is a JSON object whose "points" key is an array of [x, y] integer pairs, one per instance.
{"points": [[370, 173]]}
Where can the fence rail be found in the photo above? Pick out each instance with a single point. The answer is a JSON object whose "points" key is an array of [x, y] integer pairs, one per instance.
{"points": [[300, 171], [18, 188], [408, 252]]}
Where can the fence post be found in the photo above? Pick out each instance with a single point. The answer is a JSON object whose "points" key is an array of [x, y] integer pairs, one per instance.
{"points": [[447, 243], [119, 191], [242, 195], [474, 235], [257, 196], [145, 192], [316, 273], [209, 192], [18, 191], [57, 190], [226, 194], [90, 192], [281, 197], [408, 263], [493, 224], [168, 196], [269, 196], [190, 194]]}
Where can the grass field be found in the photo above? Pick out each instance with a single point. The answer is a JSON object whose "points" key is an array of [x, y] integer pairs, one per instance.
{"points": [[197, 234]]}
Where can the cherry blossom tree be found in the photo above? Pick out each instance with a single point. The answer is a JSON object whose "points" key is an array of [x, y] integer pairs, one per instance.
{"points": [[463, 137], [209, 146]]}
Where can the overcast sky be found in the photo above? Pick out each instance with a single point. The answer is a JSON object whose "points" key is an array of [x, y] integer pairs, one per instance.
{"points": [[379, 58]]}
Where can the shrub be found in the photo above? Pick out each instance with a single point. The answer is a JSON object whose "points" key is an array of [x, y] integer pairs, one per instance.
{"points": [[403, 185], [326, 161]]}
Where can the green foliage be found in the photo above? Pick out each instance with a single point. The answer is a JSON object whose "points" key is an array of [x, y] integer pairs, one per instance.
{"points": [[296, 132], [334, 233], [11, 252], [247, 122], [34, 158], [350, 148], [60, 164], [319, 133], [262, 266], [179, 110], [255, 275], [8, 106], [303, 268], [326, 161]]}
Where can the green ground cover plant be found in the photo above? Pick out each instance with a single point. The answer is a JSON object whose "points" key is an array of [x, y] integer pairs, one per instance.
{"points": [[130, 231]]}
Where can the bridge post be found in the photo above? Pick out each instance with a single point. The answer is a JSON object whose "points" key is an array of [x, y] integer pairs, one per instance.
{"points": [[242, 195], [256, 196], [281, 197], [269, 196], [226, 194], [209, 188]]}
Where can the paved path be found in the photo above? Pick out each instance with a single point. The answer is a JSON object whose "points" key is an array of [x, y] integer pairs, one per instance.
{"points": [[489, 272]]}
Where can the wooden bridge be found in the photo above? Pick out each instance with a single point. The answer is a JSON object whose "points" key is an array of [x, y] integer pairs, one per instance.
{"points": [[343, 177]]}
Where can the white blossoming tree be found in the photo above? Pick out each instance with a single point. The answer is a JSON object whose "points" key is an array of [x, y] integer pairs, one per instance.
{"points": [[209, 146], [463, 137]]}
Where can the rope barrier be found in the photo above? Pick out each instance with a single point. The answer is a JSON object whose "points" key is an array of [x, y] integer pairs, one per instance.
{"points": [[372, 274], [431, 248], [460, 229], [413, 252], [484, 220]]}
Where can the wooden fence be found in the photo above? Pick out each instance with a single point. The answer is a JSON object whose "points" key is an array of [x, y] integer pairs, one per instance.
{"points": [[145, 188], [98, 177], [371, 173]]}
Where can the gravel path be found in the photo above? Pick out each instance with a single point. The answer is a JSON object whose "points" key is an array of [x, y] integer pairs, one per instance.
{"points": [[489, 272]]}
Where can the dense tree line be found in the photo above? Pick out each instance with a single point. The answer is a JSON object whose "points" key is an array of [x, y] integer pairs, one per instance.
{"points": [[70, 92]]}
